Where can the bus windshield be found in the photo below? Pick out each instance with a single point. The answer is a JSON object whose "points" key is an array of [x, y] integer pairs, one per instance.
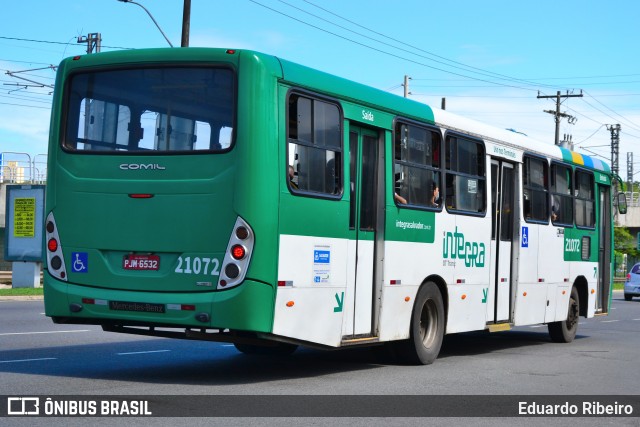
{"points": [[172, 109]]}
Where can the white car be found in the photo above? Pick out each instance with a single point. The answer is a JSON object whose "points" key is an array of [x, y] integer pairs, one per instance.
{"points": [[632, 285]]}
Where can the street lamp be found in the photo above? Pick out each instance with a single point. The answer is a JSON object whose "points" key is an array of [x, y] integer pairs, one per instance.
{"points": [[150, 16]]}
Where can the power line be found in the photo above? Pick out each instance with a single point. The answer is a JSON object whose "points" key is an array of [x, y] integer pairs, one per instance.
{"points": [[22, 105], [385, 52], [629, 123], [469, 67], [60, 43]]}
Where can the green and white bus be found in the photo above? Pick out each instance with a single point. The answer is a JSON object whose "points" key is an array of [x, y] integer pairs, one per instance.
{"points": [[229, 195]]}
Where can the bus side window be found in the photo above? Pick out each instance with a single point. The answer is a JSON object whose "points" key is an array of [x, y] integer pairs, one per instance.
{"points": [[561, 195], [465, 175], [417, 166], [585, 200], [314, 146], [534, 189]]}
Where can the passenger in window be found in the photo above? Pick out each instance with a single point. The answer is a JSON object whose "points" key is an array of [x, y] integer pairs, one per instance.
{"points": [[399, 199], [435, 195], [555, 208], [292, 183]]}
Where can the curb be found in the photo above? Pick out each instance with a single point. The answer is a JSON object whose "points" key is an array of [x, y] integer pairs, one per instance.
{"points": [[21, 298]]}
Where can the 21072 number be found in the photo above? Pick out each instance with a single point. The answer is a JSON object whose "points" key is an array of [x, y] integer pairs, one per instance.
{"points": [[198, 265]]}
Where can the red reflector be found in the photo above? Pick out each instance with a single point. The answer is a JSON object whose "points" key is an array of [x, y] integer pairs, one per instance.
{"points": [[141, 196], [88, 301], [238, 252], [231, 51], [75, 58], [52, 245], [282, 283], [188, 307], [394, 282]]}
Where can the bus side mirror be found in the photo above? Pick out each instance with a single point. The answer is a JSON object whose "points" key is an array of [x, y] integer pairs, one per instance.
{"points": [[622, 203]]}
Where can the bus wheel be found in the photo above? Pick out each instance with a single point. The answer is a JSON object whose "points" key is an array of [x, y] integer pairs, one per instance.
{"points": [[280, 349], [427, 328], [565, 331]]}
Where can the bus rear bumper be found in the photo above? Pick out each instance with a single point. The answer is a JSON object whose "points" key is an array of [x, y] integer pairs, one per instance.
{"points": [[247, 307]]}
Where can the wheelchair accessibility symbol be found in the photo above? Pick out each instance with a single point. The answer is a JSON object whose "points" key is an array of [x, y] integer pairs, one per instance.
{"points": [[525, 237], [80, 262]]}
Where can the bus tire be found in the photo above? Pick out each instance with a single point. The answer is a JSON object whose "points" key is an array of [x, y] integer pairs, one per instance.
{"points": [[426, 328], [280, 349], [565, 331]]}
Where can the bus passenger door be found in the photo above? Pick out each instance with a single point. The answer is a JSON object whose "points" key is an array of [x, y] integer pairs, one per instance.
{"points": [[502, 225], [604, 249], [364, 155]]}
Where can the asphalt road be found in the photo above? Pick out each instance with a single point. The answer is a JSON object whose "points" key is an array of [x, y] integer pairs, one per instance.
{"points": [[38, 357]]}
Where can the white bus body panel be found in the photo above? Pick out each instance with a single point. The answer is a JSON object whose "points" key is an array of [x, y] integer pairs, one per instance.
{"points": [[317, 290]]}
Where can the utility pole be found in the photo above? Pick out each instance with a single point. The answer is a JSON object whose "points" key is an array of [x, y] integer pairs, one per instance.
{"points": [[186, 23], [615, 151], [630, 171], [93, 41], [406, 86], [558, 115]]}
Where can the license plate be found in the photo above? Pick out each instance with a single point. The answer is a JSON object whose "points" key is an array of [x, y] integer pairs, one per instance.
{"points": [[144, 307], [141, 262]]}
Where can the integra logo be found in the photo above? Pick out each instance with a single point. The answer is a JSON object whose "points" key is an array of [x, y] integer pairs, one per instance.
{"points": [[141, 166]]}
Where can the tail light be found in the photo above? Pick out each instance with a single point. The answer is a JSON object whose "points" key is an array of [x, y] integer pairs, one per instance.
{"points": [[238, 255], [55, 258], [628, 276]]}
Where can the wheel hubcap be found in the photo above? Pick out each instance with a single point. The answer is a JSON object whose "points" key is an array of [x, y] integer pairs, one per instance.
{"points": [[428, 323]]}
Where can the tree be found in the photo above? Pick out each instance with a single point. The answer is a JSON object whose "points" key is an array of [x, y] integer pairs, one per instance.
{"points": [[624, 242]]}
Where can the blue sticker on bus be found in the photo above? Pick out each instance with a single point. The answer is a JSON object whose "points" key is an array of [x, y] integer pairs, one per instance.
{"points": [[321, 257], [525, 237], [80, 262]]}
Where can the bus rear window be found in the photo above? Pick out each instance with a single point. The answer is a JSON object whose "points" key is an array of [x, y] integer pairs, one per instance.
{"points": [[151, 109]]}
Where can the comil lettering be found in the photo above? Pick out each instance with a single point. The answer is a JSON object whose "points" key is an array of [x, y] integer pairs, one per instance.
{"points": [[454, 246], [141, 166]]}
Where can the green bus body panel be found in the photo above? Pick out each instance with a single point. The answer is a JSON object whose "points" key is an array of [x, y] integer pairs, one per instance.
{"points": [[314, 217], [410, 225], [196, 200], [248, 307], [573, 244], [358, 94]]}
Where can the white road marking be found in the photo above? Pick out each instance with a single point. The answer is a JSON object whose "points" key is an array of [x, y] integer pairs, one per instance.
{"points": [[27, 360], [142, 352], [45, 332], [609, 321]]}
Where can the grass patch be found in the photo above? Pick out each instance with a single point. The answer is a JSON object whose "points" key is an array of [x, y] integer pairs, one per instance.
{"points": [[21, 292]]}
